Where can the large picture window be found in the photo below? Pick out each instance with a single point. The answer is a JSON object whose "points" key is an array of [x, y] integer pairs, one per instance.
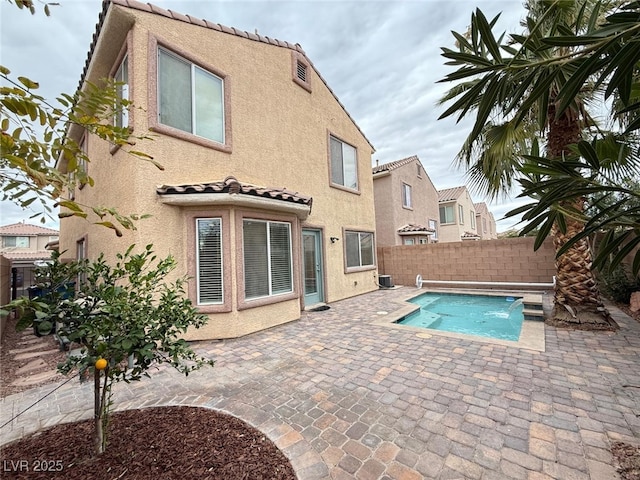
{"points": [[359, 247], [190, 98], [18, 242], [268, 268], [344, 168], [209, 261], [446, 214]]}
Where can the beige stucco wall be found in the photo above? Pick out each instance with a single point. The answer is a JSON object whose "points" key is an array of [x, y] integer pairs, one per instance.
{"points": [[452, 232], [279, 139], [491, 229], [390, 212]]}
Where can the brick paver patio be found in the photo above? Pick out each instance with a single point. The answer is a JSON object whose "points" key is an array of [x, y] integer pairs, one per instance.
{"points": [[347, 398]]}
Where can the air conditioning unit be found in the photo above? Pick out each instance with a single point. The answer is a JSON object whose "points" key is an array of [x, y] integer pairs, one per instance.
{"points": [[385, 281]]}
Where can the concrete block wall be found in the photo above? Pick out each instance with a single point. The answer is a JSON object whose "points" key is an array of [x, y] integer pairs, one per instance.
{"points": [[5, 289], [501, 260]]}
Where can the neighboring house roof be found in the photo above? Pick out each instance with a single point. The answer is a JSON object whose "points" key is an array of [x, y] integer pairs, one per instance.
{"points": [[393, 165], [231, 185], [148, 7], [26, 230], [413, 228], [37, 255], [450, 194], [481, 208], [470, 235]]}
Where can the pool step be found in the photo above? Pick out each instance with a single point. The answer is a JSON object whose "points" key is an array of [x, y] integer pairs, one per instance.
{"points": [[532, 307]]}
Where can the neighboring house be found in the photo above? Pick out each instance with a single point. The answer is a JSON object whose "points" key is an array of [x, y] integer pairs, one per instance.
{"points": [[25, 245], [406, 203], [266, 198], [457, 215], [485, 222]]}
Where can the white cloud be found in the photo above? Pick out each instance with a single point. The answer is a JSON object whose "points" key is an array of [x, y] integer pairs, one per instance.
{"points": [[381, 58]]}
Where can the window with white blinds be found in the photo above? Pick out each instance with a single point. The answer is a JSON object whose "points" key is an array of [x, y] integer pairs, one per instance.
{"points": [[209, 260], [359, 247], [267, 258]]}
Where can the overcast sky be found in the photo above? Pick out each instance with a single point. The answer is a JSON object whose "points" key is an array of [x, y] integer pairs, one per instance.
{"points": [[381, 58]]}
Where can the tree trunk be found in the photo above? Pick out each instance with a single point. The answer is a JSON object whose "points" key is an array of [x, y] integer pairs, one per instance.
{"points": [[577, 302], [98, 411]]}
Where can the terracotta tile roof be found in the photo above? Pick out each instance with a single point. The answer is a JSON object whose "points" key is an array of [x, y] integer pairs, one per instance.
{"points": [[33, 255], [231, 185], [148, 7], [393, 165], [450, 194], [415, 228], [470, 235], [26, 230]]}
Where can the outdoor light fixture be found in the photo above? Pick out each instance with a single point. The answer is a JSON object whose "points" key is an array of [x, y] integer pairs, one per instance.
{"points": [[334, 239]]}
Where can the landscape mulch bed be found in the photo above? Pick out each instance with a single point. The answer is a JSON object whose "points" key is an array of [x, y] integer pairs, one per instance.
{"points": [[150, 443]]}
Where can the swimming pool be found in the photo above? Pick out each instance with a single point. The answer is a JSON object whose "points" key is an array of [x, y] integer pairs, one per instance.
{"points": [[482, 315]]}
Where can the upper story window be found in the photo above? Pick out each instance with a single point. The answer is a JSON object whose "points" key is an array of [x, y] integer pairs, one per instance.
{"points": [[359, 246], [446, 214], [484, 225], [460, 214], [190, 98], [18, 242], [121, 77], [406, 196], [472, 216], [209, 261], [344, 165], [83, 169]]}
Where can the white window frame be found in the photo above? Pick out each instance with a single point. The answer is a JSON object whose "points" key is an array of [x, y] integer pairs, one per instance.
{"points": [[194, 68], [460, 214], [361, 236], [406, 196], [18, 241], [433, 225], [268, 245], [452, 210], [342, 169], [121, 117], [473, 219], [199, 277]]}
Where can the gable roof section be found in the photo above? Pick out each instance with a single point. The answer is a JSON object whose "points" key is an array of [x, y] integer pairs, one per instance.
{"points": [[450, 194], [150, 8], [482, 209], [232, 186], [387, 167], [26, 230]]}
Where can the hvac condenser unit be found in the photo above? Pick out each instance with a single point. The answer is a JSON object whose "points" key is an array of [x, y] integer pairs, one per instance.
{"points": [[385, 281]]}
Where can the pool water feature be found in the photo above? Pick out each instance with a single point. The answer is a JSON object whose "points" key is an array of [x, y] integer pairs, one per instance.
{"points": [[482, 315]]}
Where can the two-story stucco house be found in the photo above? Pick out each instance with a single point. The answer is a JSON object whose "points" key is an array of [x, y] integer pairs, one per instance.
{"points": [[25, 245], [406, 203], [266, 198], [457, 215], [485, 222]]}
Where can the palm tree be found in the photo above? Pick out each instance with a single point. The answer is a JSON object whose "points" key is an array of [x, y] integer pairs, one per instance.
{"points": [[514, 90]]}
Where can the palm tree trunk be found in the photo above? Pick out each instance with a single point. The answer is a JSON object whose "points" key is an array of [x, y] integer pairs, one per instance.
{"points": [[577, 301]]}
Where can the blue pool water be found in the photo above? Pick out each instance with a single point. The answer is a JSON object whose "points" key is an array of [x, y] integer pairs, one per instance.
{"points": [[483, 315]]}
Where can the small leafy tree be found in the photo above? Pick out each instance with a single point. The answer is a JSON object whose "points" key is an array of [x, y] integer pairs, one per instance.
{"points": [[123, 319]]}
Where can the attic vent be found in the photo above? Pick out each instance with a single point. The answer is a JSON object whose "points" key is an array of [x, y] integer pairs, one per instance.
{"points": [[301, 71]]}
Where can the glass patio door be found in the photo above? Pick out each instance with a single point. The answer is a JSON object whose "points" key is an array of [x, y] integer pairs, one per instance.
{"points": [[312, 264]]}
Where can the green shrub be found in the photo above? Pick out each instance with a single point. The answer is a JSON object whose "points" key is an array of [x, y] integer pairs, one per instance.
{"points": [[617, 284]]}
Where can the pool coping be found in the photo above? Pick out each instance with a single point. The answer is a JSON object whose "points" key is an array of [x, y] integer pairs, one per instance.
{"points": [[532, 334]]}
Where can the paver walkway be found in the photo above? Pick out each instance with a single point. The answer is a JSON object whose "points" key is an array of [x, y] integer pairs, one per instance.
{"points": [[346, 398]]}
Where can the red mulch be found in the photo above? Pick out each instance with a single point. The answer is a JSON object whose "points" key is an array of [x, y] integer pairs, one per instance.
{"points": [[150, 443]]}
